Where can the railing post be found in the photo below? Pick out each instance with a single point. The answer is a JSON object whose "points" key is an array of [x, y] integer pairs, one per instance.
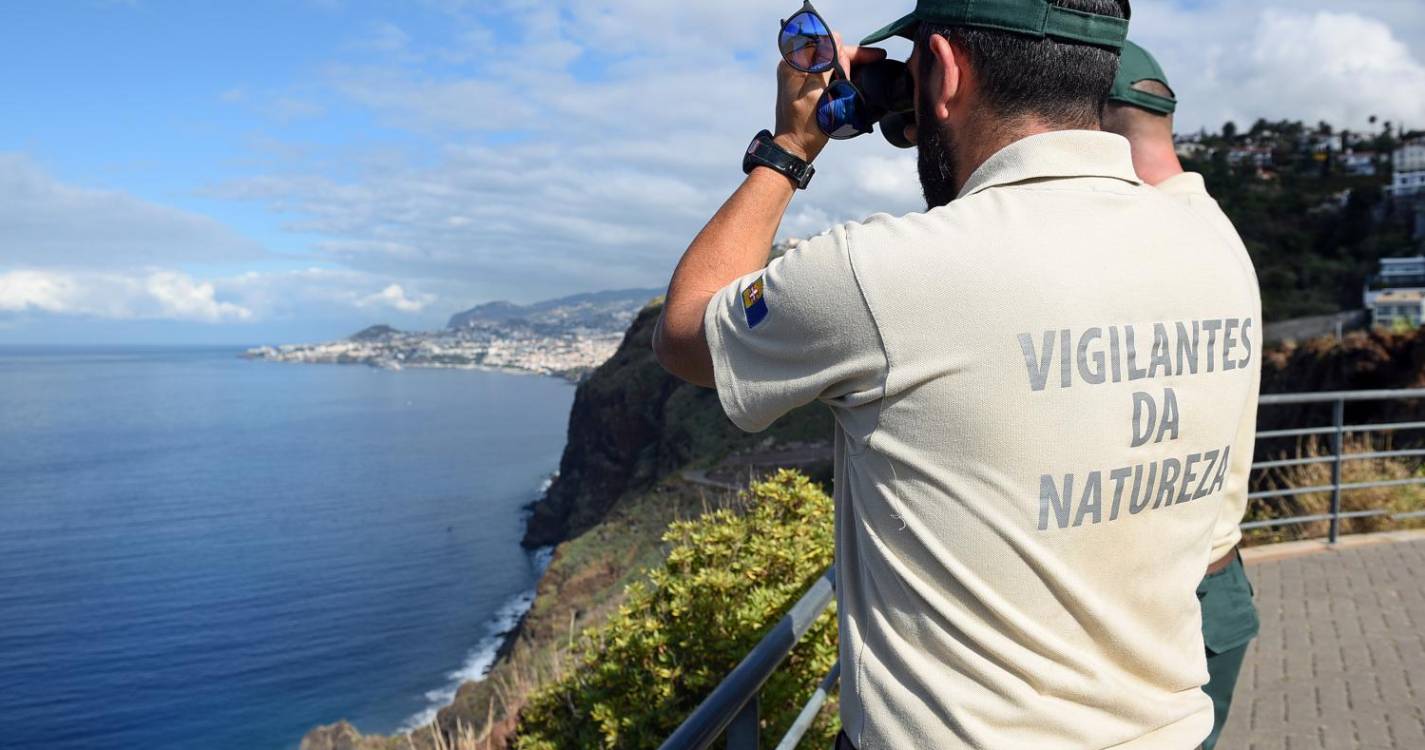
{"points": [[1338, 419], [743, 733]]}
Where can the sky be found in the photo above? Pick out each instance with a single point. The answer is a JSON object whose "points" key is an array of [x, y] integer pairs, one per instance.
{"points": [[274, 171]]}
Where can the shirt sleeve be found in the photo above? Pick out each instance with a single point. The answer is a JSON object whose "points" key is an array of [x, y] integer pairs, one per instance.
{"points": [[1227, 531], [795, 332]]}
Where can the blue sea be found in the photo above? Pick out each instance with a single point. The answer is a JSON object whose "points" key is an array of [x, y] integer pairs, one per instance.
{"points": [[202, 551]]}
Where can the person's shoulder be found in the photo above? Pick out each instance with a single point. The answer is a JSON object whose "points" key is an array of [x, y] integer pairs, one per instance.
{"points": [[1184, 185], [885, 231]]}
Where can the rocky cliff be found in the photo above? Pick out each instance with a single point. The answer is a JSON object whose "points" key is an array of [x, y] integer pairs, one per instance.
{"points": [[631, 424]]}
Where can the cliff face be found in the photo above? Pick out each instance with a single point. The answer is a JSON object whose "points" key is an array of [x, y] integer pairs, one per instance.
{"points": [[633, 423]]}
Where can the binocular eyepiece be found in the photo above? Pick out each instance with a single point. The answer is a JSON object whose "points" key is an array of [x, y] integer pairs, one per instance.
{"points": [[889, 96]]}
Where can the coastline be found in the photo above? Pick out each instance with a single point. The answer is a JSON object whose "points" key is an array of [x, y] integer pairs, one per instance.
{"points": [[570, 376], [501, 629]]}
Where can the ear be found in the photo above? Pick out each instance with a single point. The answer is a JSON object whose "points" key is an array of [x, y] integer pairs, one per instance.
{"points": [[946, 79]]}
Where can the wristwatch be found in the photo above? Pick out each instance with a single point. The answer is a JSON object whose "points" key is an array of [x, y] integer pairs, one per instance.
{"points": [[764, 152]]}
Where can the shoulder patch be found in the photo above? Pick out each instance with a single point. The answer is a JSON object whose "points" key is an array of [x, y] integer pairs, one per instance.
{"points": [[754, 303]]}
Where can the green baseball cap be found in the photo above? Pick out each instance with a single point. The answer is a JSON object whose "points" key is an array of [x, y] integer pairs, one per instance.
{"points": [[1134, 65], [1033, 17]]}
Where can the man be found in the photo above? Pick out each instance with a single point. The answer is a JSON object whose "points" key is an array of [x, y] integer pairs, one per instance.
{"points": [[1140, 108], [1038, 385]]}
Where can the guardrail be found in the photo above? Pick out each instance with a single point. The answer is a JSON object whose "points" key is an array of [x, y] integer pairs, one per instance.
{"points": [[733, 706], [1338, 431]]}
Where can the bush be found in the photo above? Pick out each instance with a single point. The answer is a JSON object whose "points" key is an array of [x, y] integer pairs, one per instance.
{"points": [[728, 578]]}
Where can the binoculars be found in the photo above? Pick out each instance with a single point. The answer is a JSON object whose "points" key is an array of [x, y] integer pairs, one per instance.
{"points": [[888, 93]]}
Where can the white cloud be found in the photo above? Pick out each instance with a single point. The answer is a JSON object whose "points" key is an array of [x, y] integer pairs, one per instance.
{"points": [[44, 221], [1307, 60], [414, 101], [335, 293], [291, 109], [1335, 66], [152, 295], [166, 294], [600, 180], [182, 298], [385, 37], [395, 298]]}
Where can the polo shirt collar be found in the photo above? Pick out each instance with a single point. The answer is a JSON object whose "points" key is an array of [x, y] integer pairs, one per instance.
{"points": [[1058, 154]]}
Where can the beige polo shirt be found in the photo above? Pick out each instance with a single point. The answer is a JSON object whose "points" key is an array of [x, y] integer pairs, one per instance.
{"points": [[1039, 392], [1190, 188]]}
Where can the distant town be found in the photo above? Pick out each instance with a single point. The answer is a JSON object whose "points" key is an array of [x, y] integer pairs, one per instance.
{"points": [[1269, 153], [1334, 219], [1268, 147], [566, 337]]}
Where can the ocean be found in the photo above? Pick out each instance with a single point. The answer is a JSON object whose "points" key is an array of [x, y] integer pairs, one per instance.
{"points": [[202, 551]]}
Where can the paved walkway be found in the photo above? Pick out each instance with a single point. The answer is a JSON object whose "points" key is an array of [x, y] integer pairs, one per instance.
{"points": [[1340, 662]]}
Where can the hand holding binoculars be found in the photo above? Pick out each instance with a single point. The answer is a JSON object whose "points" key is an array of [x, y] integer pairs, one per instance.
{"points": [[888, 93]]}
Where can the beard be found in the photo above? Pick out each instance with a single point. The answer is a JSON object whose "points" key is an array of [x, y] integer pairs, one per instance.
{"points": [[936, 159]]}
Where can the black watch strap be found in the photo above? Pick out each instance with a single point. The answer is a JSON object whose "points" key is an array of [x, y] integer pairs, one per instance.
{"points": [[764, 152]]}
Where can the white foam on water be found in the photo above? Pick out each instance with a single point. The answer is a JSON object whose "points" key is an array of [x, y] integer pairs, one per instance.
{"points": [[478, 662], [482, 657]]}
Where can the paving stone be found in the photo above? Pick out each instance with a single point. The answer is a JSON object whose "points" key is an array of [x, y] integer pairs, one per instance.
{"points": [[1340, 661]]}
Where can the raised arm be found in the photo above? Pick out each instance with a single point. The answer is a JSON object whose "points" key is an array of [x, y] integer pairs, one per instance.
{"points": [[734, 243], [739, 237]]}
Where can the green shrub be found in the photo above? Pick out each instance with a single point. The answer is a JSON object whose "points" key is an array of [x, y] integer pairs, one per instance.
{"points": [[728, 578]]}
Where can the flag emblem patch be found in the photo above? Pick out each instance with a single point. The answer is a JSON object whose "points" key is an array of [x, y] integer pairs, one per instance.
{"points": [[754, 303]]}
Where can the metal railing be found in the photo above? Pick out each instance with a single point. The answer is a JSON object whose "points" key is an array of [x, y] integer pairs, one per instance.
{"points": [[733, 707], [1338, 457]]}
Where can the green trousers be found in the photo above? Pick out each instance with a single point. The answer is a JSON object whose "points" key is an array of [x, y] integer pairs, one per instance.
{"points": [[1229, 623]]}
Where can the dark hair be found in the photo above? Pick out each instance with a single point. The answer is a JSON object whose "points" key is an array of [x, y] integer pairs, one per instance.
{"points": [[1063, 82]]}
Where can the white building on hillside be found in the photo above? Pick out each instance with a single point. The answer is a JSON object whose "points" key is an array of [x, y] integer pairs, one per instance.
{"points": [[1406, 184], [1409, 163], [1410, 157], [1400, 293], [1397, 307], [1359, 163], [1397, 273]]}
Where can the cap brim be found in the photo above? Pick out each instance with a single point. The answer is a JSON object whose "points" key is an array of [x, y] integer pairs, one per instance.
{"points": [[904, 27], [1158, 105]]}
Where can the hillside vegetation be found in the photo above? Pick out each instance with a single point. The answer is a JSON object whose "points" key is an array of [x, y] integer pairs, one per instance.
{"points": [[728, 577], [1315, 227]]}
